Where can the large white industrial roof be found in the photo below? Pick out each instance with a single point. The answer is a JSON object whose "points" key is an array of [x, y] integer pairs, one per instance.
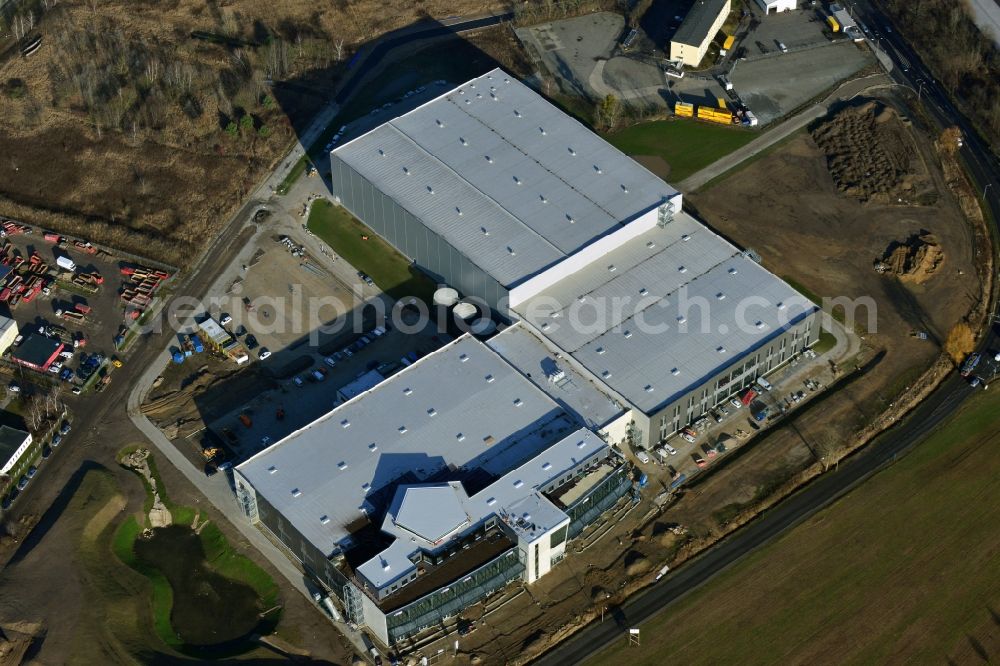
{"points": [[461, 407], [509, 180], [423, 516], [545, 365], [664, 312]]}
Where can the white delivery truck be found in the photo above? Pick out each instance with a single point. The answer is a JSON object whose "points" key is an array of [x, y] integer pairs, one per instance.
{"points": [[66, 262]]}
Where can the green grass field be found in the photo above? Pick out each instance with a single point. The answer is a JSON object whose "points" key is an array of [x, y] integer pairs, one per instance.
{"points": [[219, 556], [390, 270], [687, 146], [905, 569]]}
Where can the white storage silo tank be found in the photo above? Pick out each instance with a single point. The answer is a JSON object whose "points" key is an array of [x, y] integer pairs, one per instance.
{"points": [[445, 297], [465, 311]]}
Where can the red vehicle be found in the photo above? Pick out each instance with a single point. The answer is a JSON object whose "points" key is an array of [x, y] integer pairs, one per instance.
{"points": [[748, 397]]}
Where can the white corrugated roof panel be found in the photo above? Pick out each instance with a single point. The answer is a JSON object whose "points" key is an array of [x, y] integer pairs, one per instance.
{"points": [[442, 411], [543, 363], [540, 183], [681, 305], [440, 510]]}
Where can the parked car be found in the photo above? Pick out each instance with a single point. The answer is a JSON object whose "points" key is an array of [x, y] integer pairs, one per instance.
{"points": [[22, 483], [318, 376], [46, 452], [716, 417], [642, 456], [669, 449], [56, 441], [251, 342], [32, 471], [14, 387], [378, 331], [64, 428], [689, 435], [225, 319], [330, 361], [264, 353], [298, 381]]}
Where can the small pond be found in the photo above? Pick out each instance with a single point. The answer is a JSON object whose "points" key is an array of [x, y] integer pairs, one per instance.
{"points": [[208, 609]]}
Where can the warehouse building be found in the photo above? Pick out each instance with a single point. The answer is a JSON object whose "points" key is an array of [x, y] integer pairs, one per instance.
{"points": [[493, 191], [675, 321], [433, 489], [777, 6], [702, 22], [423, 493], [36, 352]]}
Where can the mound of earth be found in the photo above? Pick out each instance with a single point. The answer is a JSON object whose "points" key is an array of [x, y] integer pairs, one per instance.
{"points": [[913, 260], [871, 156], [636, 564]]}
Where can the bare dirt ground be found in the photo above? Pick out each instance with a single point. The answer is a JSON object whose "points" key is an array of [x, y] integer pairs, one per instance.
{"points": [[872, 157], [118, 127]]}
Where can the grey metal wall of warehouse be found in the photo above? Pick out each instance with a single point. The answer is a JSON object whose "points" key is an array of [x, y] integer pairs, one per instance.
{"points": [[431, 253], [677, 414]]}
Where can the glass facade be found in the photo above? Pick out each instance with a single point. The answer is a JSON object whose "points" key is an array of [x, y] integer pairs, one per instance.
{"points": [[599, 499], [430, 252], [451, 600]]}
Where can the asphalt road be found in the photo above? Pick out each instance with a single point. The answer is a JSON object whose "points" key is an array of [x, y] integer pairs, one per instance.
{"points": [[908, 70]]}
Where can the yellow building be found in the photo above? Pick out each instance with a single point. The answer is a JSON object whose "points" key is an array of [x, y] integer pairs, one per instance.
{"points": [[690, 43]]}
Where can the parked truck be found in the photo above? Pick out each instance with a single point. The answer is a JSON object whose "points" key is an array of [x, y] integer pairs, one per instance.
{"points": [[66, 262], [971, 361]]}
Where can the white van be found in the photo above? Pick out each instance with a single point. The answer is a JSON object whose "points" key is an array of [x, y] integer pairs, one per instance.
{"points": [[642, 456], [764, 384]]}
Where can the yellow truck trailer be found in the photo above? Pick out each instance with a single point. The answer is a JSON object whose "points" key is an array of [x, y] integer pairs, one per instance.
{"points": [[721, 116], [834, 26], [683, 110]]}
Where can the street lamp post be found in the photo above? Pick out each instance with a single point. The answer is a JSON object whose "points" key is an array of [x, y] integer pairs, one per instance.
{"points": [[920, 89], [988, 186]]}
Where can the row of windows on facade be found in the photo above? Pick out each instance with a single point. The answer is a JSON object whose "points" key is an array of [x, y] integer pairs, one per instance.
{"points": [[740, 379]]}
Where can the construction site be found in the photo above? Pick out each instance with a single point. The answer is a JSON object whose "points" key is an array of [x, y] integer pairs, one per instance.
{"points": [[872, 156]]}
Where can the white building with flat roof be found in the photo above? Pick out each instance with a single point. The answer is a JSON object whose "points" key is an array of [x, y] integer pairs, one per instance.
{"points": [[675, 321], [777, 6], [489, 186]]}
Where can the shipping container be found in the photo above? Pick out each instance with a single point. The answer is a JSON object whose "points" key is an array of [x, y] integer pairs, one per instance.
{"points": [[683, 110]]}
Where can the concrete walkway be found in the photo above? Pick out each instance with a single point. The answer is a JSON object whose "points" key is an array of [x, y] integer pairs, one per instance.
{"points": [[218, 491], [778, 133]]}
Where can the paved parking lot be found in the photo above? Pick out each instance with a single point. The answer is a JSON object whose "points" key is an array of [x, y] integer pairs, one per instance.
{"points": [[776, 85], [802, 378], [570, 48], [795, 29]]}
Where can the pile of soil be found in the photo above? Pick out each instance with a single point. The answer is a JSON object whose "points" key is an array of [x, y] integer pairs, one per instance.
{"points": [[914, 260], [870, 155]]}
